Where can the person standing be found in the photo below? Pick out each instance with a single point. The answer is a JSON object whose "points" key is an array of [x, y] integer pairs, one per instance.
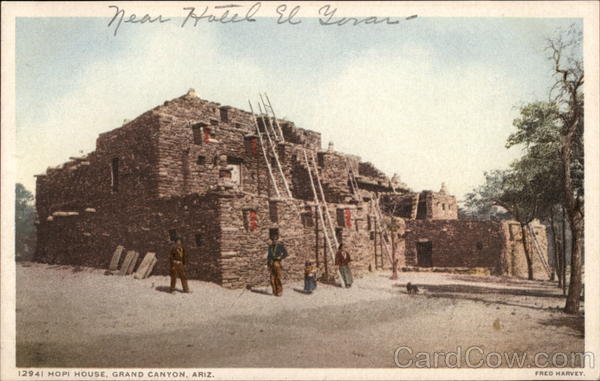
{"points": [[310, 277], [342, 260], [276, 253], [178, 260]]}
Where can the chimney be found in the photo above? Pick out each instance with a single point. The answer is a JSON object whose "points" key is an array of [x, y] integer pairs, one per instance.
{"points": [[191, 93], [443, 189]]}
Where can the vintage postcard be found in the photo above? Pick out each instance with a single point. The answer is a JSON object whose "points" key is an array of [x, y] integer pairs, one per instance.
{"points": [[300, 190]]}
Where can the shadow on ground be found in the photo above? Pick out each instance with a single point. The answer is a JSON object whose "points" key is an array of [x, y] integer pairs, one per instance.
{"points": [[506, 280], [472, 289], [163, 289], [491, 295], [576, 323], [260, 291]]}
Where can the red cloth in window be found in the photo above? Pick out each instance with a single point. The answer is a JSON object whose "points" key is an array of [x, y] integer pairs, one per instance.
{"points": [[254, 146], [253, 221], [206, 133], [348, 216]]}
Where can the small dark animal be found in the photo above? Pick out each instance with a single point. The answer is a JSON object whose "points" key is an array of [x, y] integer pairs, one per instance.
{"points": [[412, 289]]}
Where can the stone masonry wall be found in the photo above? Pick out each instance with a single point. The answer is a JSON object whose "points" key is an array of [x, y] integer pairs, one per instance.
{"points": [[162, 174], [457, 243], [443, 207], [86, 182], [401, 204], [244, 250], [515, 263], [437, 206], [188, 164], [89, 238]]}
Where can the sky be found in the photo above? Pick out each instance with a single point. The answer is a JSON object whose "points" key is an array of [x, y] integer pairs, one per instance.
{"points": [[431, 99]]}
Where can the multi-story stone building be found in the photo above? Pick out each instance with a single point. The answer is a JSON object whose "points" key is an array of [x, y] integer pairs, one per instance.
{"points": [[197, 170]]}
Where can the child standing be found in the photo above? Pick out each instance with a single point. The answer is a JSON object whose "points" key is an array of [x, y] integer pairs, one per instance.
{"points": [[310, 277]]}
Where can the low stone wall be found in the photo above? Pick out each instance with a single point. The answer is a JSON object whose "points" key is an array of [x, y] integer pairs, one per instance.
{"points": [[515, 263], [458, 243], [89, 238]]}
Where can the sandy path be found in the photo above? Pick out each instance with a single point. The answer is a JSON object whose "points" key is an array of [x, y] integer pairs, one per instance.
{"points": [[85, 319]]}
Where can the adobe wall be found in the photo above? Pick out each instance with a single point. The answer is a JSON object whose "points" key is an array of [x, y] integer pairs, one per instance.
{"points": [[296, 135], [86, 182], [457, 243], [443, 207], [182, 172], [369, 170], [243, 256], [494, 244], [400, 204], [515, 261], [169, 179], [436, 206], [361, 238], [89, 238]]}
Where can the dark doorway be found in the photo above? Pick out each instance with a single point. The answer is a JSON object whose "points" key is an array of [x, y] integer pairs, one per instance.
{"points": [[422, 210], [424, 254], [339, 235]]}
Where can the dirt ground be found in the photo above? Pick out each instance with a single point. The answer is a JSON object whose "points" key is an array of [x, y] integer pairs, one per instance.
{"points": [[70, 317]]}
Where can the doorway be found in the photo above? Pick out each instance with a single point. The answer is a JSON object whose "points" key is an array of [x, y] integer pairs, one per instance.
{"points": [[424, 254], [339, 235], [422, 209]]}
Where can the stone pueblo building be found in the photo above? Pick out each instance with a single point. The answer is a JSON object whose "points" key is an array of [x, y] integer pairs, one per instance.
{"points": [[194, 169]]}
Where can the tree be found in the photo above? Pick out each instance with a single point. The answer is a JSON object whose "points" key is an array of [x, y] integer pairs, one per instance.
{"points": [[516, 191], [24, 223], [396, 227], [475, 211], [553, 132], [538, 130], [567, 94]]}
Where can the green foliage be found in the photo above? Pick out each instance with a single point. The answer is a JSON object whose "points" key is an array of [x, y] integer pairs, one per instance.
{"points": [[533, 184], [539, 129], [24, 223], [510, 189], [551, 171]]}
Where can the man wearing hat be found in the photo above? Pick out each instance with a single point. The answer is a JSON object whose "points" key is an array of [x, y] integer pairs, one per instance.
{"points": [[275, 254], [177, 259]]}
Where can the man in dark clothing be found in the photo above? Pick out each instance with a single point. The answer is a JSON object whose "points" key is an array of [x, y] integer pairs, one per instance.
{"points": [[275, 254], [177, 260], [342, 260]]}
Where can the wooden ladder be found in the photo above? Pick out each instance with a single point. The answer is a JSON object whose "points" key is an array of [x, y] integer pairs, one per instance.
{"points": [[385, 235], [538, 250], [272, 144], [264, 151], [272, 111], [320, 212], [353, 183]]}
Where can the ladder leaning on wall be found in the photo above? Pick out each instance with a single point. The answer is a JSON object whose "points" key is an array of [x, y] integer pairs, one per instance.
{"points": [[385, 234], [272, 144], [353, 183], [319, 205], [270, 110], [264, 151], [538, 250]]}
